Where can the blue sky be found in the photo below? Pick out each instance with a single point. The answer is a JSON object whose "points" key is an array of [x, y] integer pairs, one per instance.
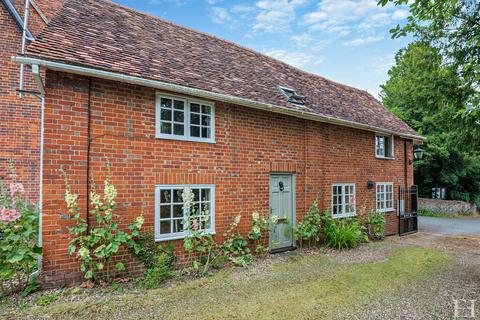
{"points": [[343, 40]]}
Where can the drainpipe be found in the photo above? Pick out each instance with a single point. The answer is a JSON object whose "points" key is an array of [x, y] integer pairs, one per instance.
{"points": [[24, 44], [40, 189]]}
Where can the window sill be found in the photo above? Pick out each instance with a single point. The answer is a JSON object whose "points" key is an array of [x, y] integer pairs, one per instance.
{"points": [[385, 158], [180, 138], [386, 210], [177, 237], [344, 215]]}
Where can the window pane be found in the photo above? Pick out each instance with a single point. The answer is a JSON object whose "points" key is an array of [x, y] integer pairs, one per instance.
{"points": [[165, 227], [196, 194], [178, 116], [205, 120], [178, 211], [205, 194], [177, 195], [177, 225], [166, 114], [195, 118], [179, 105], [166, 128], [205, 133], [195, 107], [166, 103], [195, 131], [165, 196], [206, 109], [165, 212], [178, 129]]}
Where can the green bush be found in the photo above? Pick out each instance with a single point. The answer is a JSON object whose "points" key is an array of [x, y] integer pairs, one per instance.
{"points": [[149, 250], [309, 229], [155, 276], [19, 248], [342, 233], [375, 225]]}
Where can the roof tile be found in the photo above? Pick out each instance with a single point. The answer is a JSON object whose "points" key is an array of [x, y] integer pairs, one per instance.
{"points": [[105, 35]]}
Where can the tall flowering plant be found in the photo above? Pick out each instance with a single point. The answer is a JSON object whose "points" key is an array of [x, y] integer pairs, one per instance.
{"points": [[19, 248], [197, 242], [95, 247]]}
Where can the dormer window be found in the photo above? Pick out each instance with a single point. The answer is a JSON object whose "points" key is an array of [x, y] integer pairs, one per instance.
{"points": [[293, 96]]}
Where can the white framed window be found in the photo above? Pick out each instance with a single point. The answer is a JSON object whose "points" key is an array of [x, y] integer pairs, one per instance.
{"points": [[170, 216], [384, 196], [343, 200], [184, 119], [384, 146]]}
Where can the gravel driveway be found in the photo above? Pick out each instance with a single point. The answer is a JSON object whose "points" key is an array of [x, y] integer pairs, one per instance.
{"points": [[450, 226]]}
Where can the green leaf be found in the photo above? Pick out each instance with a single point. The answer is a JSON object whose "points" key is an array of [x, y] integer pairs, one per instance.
{"points": [[120, 266]]}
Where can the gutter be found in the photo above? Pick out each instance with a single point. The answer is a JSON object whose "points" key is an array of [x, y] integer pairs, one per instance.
{"points": [[13, 12], [109, 75]]}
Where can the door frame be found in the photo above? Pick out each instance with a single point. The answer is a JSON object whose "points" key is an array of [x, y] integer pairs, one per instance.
{"points": [[294, 208]]}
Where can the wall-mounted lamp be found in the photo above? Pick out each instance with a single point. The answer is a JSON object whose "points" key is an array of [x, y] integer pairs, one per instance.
{"points": [[417, 153], [370, 184]]}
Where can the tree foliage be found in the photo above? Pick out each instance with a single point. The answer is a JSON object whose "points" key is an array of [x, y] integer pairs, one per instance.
{"points": [[452, 26], [428, 95]]}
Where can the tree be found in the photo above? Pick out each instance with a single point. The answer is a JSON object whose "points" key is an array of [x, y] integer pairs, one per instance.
{"points": [[452, 26], [428, 95]]}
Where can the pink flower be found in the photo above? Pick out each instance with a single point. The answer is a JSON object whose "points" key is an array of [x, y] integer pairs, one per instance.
{"points": [[16, 188], [7, 216], [195, 225]]}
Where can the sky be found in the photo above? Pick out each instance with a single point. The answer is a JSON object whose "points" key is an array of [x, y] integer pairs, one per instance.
{"points": [[343, 40]]}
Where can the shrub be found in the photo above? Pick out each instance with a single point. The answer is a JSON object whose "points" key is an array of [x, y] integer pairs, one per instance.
{"points": [[309, 229], [259, 230], [342, 233], [157, 259], [157, 274], [235, 247], [96, 246], [19, 248], [149, 250], [375, 225]]}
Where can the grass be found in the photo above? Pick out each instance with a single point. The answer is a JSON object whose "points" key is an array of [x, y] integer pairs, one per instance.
{"points": [[302, 287], [428, 213]]}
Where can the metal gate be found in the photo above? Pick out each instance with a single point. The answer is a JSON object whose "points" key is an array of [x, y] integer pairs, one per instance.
{"points": [[407, 210]]}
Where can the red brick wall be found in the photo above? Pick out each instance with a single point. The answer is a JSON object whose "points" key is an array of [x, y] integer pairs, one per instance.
{"points": [[249, 145], [19, 118]]}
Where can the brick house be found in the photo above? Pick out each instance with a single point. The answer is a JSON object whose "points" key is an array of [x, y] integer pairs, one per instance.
{"points": [[171, 107], [20, 118]]}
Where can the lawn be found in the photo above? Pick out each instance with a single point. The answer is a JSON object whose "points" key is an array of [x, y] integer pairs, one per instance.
{"points": [[295, 286]]}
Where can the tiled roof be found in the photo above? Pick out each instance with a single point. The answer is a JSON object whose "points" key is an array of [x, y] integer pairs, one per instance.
{"points": [[104, 35]]}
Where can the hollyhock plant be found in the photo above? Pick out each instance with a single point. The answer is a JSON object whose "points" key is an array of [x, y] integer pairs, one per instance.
{"points": [[19, 248]]}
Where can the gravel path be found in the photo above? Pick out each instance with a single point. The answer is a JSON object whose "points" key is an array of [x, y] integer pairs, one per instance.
{"points": [[450, 226], [432, 298]]}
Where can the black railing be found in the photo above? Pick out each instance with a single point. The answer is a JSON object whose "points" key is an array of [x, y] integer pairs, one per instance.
{"points": [[407, 210]]}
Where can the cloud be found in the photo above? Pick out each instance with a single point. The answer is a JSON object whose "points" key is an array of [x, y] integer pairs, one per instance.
{"points": [[362, 41], [220, 15], [276, 15], [341, 17], [242, 9], [400, 14], [299, 59], [302, 40]]}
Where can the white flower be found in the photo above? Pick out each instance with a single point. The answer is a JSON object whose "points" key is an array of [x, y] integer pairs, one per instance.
{"points": [[237, 219], [110, 193], [274, 219], [255, 216], [187, 197]]}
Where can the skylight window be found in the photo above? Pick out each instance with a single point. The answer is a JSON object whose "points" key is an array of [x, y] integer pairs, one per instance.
{"points": [[292, 96]]}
